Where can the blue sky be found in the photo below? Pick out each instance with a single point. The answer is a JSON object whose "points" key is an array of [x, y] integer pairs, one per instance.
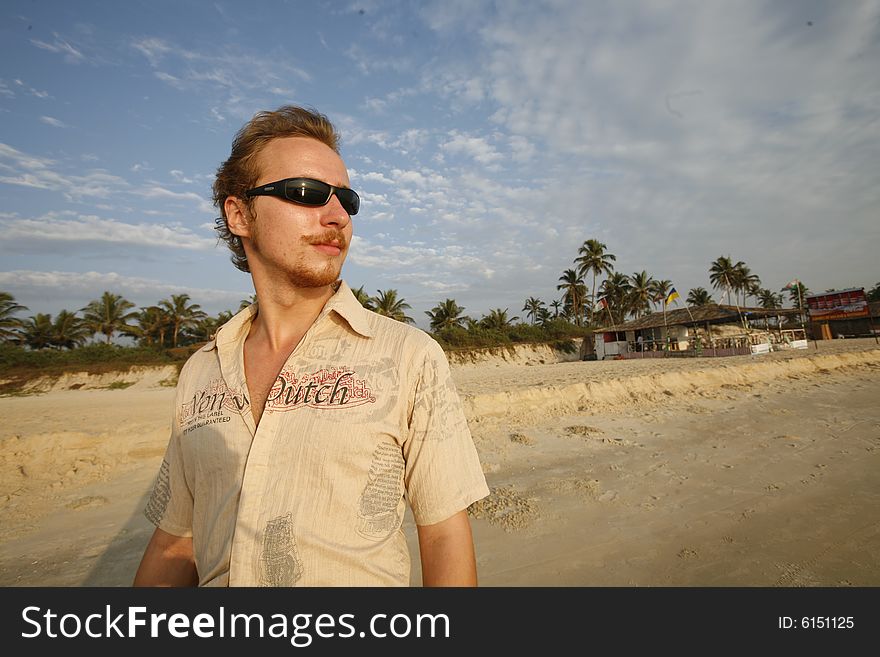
{"points": [[488, 140]]}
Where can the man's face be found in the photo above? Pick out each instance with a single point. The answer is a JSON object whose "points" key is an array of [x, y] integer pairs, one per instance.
{"points": [[304, 245]]}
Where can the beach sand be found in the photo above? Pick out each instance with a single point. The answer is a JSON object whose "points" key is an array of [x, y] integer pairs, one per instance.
{"points": [[742, 471]]}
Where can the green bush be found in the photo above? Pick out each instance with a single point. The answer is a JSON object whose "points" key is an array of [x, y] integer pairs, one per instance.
{"points": [[558, 333], [15, 357]]}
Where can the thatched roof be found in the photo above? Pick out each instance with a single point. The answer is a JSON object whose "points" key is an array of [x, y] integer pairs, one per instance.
{"points": [[711, 313]]}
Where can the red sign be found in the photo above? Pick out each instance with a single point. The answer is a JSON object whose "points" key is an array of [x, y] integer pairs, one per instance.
{"points": [[846, 304]]}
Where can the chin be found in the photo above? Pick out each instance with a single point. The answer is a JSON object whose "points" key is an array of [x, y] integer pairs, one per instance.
{"points": [[314, 278]]}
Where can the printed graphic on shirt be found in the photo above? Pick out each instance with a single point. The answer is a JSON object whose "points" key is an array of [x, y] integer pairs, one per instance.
{"points": [[380, 500], [437, 410], [337, 387], [160, 496], [323, 350], [279, 563], [211, 405]]}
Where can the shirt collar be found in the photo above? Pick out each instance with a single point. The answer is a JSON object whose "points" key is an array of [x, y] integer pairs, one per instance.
{"points": [[343, 303], [346, 305]]}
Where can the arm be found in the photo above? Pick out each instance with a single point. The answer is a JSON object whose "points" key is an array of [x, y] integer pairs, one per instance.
{"points": [[167, 561], [447, 552]]}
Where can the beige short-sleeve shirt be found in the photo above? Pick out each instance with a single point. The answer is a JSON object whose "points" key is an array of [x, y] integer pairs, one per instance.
{"points": [[363, 416]]}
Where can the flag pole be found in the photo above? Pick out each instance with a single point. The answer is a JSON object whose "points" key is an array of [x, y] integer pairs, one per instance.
{"points": [[694, 323], [801, 309], [665, 328]]}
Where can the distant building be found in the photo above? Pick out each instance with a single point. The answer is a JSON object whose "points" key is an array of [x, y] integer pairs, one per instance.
{"points": [[710, 330], [842, 314]]}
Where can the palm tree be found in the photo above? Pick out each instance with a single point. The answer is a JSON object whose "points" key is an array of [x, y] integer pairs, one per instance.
{"points": [[544, 317], [244, 303], [754, 290], [181, 313], [874, 293], [745, 281], [556, 304], [68, 331], [153, 322], [207, 327], [573, 292], [386, 303], [660, 290], [532, 308], [616, 291], [593, 259], [363, 298], [9, 325], [698, 296], [37, 331], [723, 273], [640, 292], [793, 294], [497, 319], [769, 300], [446, 315], [108, 315]]}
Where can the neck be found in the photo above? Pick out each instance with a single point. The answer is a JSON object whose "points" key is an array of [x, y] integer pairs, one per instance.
{"points": [[284, 315]]}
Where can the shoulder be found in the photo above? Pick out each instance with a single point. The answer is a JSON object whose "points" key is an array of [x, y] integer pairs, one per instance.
{"points": [[408, 342], [202, 361]]}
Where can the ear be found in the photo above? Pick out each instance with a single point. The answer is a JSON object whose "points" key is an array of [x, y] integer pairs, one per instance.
{"points": [[237, 216]]}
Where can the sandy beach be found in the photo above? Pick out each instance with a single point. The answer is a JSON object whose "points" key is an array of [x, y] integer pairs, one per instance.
{"points": [[741, 471]]}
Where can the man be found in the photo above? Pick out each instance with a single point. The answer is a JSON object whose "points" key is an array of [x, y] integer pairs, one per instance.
{"points": [[303, 425]]}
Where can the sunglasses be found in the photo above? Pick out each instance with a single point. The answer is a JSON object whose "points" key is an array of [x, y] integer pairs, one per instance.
{"points": [[310, 192]]}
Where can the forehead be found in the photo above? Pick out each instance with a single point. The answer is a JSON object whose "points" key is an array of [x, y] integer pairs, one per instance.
{"points": [[291, 157]]}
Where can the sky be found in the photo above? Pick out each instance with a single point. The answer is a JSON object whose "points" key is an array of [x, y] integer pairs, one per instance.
{"points": [[487, 140]]}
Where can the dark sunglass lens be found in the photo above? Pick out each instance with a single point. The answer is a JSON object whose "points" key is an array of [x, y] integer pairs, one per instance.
{"points": [[349, 199], [308, 192]]}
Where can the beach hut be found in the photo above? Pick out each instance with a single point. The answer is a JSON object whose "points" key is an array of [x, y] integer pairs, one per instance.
{"points": [[710, 330]]}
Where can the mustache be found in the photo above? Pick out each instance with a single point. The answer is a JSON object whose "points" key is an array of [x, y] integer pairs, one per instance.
{"points": [[327, 237]]}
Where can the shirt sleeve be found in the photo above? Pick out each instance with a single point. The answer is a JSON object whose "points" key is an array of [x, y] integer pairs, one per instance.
{"points": [[443, 474], [170, 507]]}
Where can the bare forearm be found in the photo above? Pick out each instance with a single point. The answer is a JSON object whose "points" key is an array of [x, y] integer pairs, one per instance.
{"points": [[167, 561], [447, 553]]}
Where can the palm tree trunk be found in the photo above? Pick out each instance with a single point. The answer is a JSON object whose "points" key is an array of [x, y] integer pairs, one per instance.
{"points": [[593, 302]]}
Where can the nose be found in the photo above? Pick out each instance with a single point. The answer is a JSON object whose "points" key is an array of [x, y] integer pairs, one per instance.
{"points": [[334, 214]]}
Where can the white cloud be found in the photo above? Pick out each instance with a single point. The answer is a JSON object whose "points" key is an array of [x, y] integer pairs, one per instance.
{"points": [[374, 199], [422, 179], [438, 262], [40, 173], [371, 176], [90, 228], [62, 47], [522, 150], [157, 191], [475, 147], [33, 171], [76, 289], [154, 49], [180, 177], [175, 82], [224, 68], [22, 160]]}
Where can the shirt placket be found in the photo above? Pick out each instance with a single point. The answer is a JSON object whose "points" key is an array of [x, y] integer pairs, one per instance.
{"points": [[245, 539]]}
